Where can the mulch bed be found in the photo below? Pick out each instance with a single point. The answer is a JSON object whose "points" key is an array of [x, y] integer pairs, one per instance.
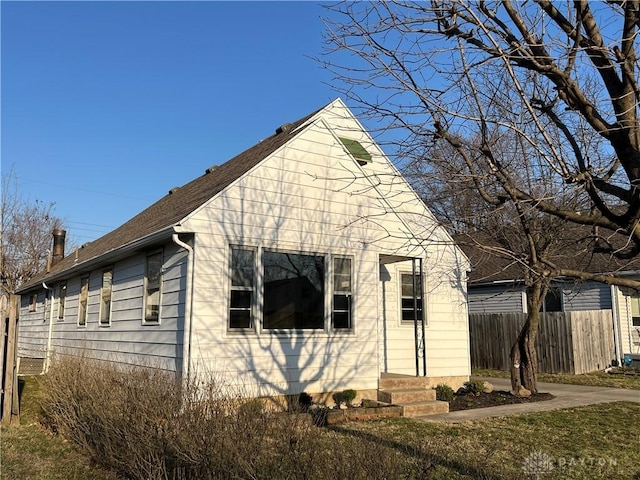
{"points": [[493, 399]]}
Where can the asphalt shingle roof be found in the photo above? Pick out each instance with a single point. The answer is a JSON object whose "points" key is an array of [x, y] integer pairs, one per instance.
{"points": [[489, 265]]}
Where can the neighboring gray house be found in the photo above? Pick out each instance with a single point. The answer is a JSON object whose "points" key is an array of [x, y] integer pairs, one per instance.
{"points": [[289, 268], [495, 286]]}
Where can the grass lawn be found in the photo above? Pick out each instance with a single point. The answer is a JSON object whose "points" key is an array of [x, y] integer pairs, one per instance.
{"points": [[596, 379], [599, 441]]}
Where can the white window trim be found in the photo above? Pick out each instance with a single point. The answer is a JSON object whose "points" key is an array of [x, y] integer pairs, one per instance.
{"points": [[409, 324], [62, 301], [33, 302], [86, 308], [258, 303], [331, 292], [254, 302], [107, 324], [144, 291]]}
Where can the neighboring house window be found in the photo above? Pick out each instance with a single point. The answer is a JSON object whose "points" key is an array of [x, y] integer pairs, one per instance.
{"points": [[82, 301], [634, 300], [407, 298], [152, 287], [342, 293], [62, 297], [293, 291], [241, 294], [34, 302], [105, 297], [552, 301]]}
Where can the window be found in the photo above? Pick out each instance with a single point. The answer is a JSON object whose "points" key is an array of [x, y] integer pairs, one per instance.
{"points": [[408, 308], [152, 287], [342, 293], [34, 302], [634, 300], [552, 301], [242, 288], [293, 291], [105, 297], [82, 301], [62, 297]]}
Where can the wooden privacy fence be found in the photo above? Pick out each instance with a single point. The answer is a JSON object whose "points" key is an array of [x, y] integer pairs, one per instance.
{"points": [[568, 342]]}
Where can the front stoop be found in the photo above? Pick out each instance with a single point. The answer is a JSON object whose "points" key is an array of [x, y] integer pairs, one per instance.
{"points": [[410, 393]]}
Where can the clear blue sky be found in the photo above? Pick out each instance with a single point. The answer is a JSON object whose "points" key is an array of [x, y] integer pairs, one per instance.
{"points": [[108, 105]]}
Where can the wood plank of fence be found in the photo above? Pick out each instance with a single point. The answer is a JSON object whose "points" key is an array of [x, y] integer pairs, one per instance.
{"points": [[568, 342], [592, 340]]}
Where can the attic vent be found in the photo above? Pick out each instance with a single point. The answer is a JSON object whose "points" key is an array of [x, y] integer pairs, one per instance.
{"points": [[356, 149], [210, 169], [173, 190], [283, 128]]}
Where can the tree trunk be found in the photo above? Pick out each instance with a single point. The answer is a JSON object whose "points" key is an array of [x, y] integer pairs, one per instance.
{"points": [[524, 360]]}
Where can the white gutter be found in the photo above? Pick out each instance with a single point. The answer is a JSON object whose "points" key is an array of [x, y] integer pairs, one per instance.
{"points": [[47, 360], [188, 308], [615, 311]]}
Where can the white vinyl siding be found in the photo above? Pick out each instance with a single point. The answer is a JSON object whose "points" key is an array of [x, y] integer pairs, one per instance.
{"points": [[311, 196]]}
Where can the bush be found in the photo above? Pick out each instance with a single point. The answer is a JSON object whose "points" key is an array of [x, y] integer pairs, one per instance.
{"points": [[444, 393], [146, 424], [475, 387], [349, 396]]}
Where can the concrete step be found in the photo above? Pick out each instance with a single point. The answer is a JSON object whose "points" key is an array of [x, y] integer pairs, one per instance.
{"points": [[420, 409], [390, 381], [406, 395]]}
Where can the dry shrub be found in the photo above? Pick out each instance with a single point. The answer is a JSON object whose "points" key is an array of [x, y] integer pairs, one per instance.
{"points": [[143, 423]]}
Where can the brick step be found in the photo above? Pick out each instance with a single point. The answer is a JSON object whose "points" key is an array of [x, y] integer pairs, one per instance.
{"points": [[420, 409], [389, 381], [406, 395]]}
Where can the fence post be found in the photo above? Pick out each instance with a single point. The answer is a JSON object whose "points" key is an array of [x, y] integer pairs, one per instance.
{"points": [[11, 404]]}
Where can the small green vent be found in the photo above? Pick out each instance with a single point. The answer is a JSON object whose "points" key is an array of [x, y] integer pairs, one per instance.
{"points": [[357, 150]]}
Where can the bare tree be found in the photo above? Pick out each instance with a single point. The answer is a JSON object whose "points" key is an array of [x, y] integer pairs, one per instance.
{"points": [[534, 105], [25, 235]]}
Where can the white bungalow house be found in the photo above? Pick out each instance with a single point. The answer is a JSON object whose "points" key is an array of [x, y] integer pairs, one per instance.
{"points": [[294, 266]]}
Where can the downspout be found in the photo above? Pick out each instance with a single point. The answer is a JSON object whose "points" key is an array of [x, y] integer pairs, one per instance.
{"points": [[415, 316], [188, 309], [424, 324], [615, 313], [47, 359]]}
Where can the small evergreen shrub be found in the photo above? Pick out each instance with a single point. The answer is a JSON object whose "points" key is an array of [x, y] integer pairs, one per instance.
{"points": [[475, 387], [349, 396], [444, 393]]}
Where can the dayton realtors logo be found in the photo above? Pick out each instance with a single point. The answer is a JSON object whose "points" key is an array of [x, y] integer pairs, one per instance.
{"points": [[539, 463]]}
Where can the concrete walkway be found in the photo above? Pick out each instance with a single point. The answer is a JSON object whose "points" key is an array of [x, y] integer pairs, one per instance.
{"points": [[567, 396]]}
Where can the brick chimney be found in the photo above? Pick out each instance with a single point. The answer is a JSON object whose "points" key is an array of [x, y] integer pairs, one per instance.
{"points": [[58, 245]]}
